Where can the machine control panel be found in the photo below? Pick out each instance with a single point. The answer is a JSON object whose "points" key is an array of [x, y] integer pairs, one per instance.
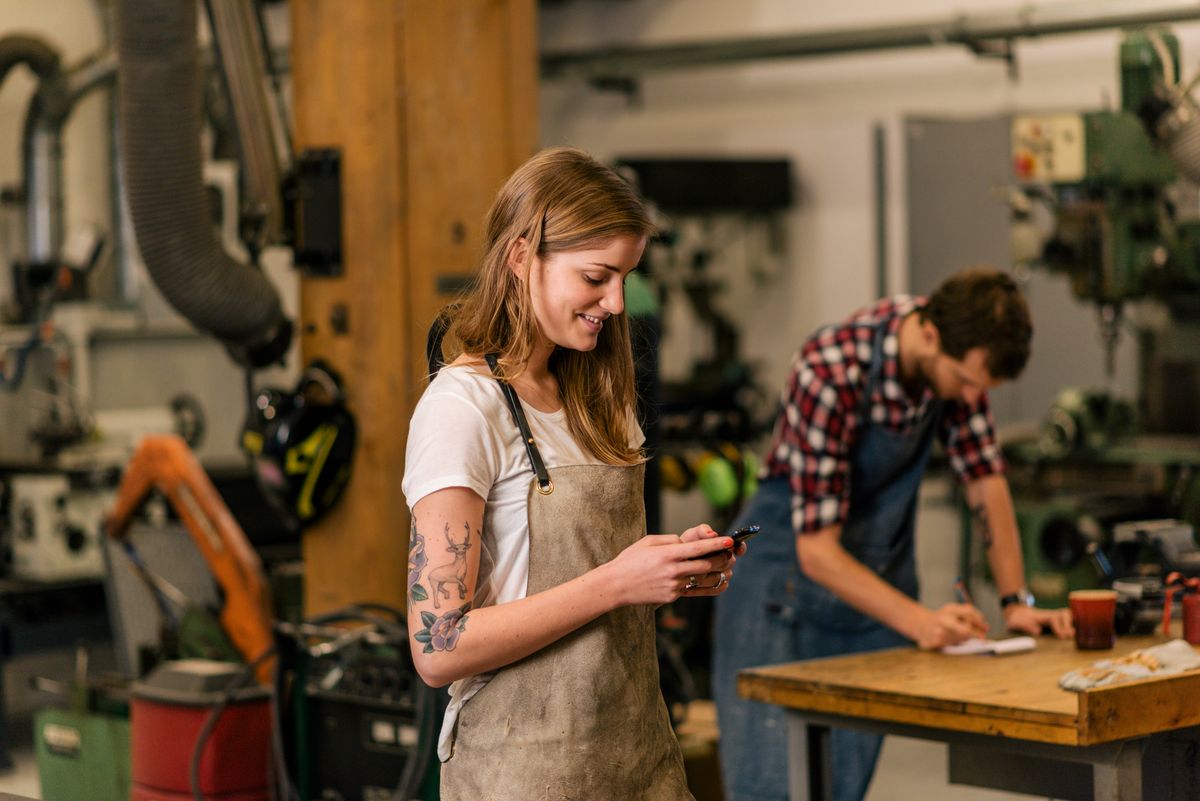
{"points": [[1049, 147]]}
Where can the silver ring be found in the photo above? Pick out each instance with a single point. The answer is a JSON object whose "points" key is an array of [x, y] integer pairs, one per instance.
{"points": [[691, 583], [720, 581]]}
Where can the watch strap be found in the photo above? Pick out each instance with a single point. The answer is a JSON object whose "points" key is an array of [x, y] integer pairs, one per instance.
{"points": [[1021, 596]]}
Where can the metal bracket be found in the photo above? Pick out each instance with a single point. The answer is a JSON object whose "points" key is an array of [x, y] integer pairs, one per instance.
{"points": [[623, 84], [1000, 49]]}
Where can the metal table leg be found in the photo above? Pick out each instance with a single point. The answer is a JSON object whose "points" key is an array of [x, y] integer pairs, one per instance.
{"points": [[1121, 778], [810, 762]]}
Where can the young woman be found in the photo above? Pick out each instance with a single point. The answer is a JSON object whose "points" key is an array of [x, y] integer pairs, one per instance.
{"points": [[532, 585]]}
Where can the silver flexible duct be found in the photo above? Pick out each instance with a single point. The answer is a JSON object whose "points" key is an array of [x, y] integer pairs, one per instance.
{"points": [[160, 109], [241, 62]]}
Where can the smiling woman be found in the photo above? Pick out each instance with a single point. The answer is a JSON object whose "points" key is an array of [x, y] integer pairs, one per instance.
{"points": [[576, 292], [531, 568]]}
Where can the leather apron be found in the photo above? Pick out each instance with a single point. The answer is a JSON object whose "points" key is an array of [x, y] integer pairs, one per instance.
{"points": [[584, 717]]}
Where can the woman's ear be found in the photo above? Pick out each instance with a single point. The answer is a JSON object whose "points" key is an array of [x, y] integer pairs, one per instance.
{"points": [[518, 257]]}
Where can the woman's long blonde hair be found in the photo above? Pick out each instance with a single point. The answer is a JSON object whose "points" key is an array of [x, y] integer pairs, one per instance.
{"points": [[560, 200]]}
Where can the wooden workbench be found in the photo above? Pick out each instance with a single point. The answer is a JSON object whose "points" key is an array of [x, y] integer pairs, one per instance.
{"points": [[991, 708]]}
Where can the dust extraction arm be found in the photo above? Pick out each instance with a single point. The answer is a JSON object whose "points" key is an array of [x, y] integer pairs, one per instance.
{"points": [[160, 113]]}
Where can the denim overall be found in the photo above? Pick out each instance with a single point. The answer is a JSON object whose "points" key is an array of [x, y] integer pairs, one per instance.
{"points": [[773, 613]]}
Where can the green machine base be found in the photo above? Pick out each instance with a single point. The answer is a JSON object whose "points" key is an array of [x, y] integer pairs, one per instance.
{"points": [[82, 756]]}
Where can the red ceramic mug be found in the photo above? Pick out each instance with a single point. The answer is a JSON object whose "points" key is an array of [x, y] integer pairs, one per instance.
{"points": [[1092, 612], [1191, 618]]}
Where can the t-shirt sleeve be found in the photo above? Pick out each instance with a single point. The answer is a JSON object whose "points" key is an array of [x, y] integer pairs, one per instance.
{"points": [[451, 443]]}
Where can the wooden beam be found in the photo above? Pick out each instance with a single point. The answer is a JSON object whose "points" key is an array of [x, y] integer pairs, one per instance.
{"points": [[432, 105]]}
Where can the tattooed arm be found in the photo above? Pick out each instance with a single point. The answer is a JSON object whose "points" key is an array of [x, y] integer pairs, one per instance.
{"points": [[995, 524], [450, 639]]}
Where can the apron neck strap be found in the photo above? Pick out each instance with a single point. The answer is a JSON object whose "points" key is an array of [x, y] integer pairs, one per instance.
{"points": [[545, 485]]}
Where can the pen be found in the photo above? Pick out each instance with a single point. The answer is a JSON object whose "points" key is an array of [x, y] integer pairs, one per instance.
{"points": [[960, 591]]}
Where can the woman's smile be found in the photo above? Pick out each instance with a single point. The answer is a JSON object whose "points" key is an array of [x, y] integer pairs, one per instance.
{"points": [[595, 324]]}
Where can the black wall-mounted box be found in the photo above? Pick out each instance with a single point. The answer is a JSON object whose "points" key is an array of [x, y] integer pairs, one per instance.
{"points": [[700, 185]]}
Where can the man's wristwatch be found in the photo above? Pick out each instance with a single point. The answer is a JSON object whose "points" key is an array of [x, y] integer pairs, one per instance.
{"points": [[1021, 596]]}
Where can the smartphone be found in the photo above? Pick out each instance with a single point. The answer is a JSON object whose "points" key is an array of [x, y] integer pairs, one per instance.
{"points": [[745, 533]]}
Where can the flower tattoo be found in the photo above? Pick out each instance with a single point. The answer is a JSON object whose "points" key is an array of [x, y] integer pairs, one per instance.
{"points": [[417, 559], [441, 633]]}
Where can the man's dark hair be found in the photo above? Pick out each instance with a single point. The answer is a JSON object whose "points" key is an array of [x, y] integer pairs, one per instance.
{"points": [[982, 307]]}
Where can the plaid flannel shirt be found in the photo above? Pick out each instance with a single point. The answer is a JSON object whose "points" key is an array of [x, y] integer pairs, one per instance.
{"points": [[819, 421]]}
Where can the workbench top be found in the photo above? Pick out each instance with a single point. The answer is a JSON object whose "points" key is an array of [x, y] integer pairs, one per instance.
{"points": [[1010, 696]]}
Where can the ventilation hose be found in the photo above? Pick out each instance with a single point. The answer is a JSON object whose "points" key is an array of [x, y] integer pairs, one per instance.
{"points": [[34, 53], [159, 91]]}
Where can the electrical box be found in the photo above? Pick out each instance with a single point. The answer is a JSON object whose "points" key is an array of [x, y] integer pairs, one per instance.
{"points": [[55, 531], [1049, 148]]}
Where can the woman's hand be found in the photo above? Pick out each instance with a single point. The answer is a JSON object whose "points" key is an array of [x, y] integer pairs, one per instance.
{"points": [[713, 583], [705, 531], [659, 568]]}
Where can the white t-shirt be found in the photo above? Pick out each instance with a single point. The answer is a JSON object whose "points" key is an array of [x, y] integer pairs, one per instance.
{"points": [[462, 434]]}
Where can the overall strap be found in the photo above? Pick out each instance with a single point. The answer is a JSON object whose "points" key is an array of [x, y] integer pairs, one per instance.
{"points": [[545, 485], [874, 372]]}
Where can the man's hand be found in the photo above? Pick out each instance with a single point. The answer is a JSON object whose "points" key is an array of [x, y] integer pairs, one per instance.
{"points": [[949, 625], [1027, 619]]}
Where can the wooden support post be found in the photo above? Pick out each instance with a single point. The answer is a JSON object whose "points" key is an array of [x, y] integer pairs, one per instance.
{"points": [[432, 105]]}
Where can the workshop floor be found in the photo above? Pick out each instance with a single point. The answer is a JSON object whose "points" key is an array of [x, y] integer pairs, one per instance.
{"points": [[23, 779], [909, 770], [915, 770]]}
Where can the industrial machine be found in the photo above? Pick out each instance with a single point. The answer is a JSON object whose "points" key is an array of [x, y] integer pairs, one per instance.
{"points": [[165, 463], [83, 745], [1119, 187]]}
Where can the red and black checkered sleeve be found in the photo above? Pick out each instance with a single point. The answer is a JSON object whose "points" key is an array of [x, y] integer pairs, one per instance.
{"points": [[969, 436], [816, 431]]}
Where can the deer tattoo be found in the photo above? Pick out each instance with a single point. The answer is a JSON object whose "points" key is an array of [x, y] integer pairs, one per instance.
{"points": [[453, 573]]}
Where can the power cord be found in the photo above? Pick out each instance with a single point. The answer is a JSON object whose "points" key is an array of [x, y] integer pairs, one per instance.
{"points": [[239, 681]]}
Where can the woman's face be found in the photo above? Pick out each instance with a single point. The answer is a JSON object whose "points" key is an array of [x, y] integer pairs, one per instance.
{"points": [[575, 292]]}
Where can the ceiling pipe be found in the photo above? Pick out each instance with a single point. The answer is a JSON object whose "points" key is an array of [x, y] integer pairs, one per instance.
{"points": [[979, 32]]}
